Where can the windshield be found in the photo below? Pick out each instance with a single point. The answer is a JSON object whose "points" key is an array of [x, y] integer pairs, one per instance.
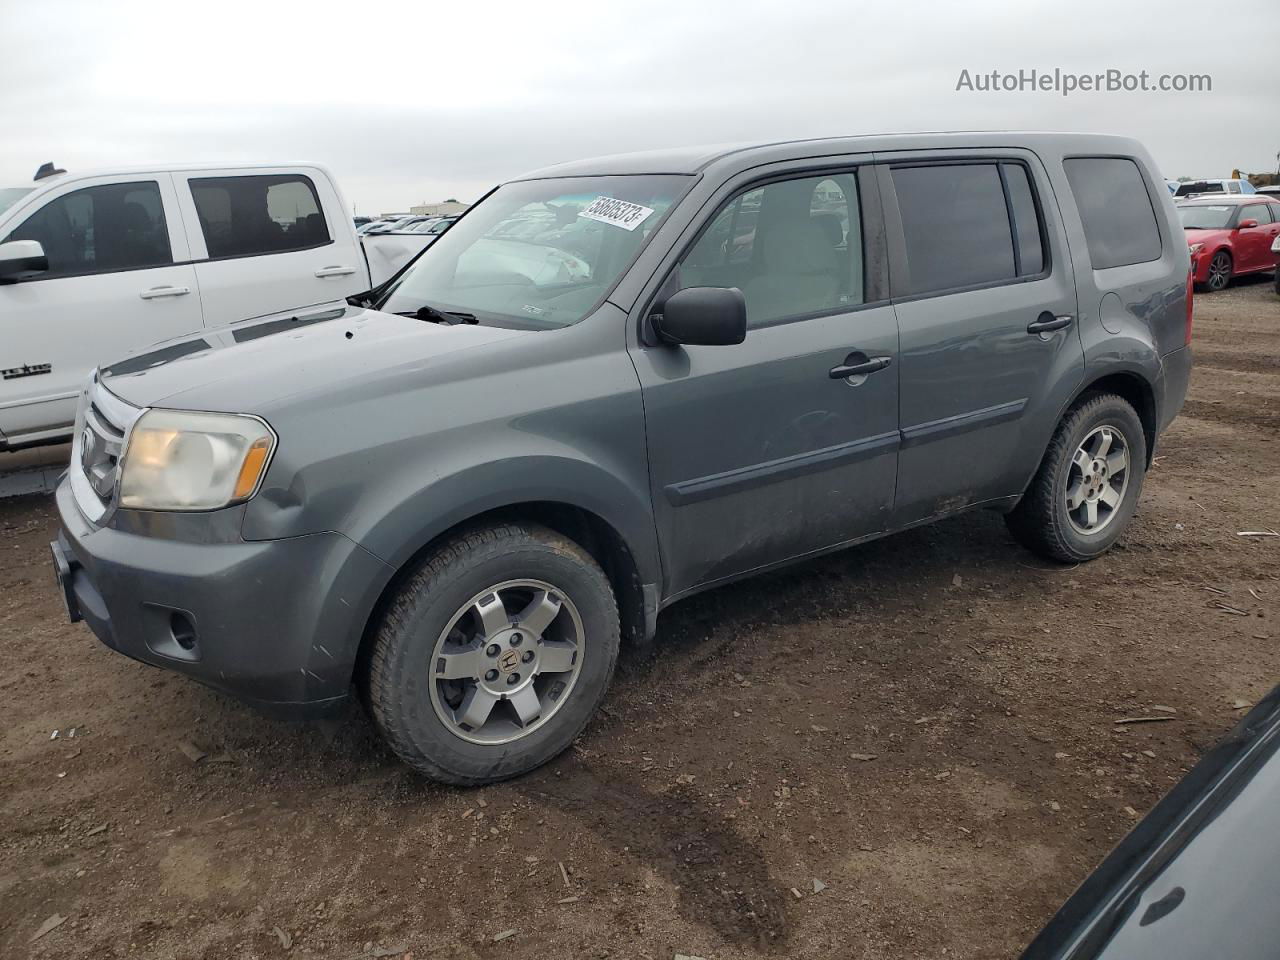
{"points": [[1205, 216], [537, 254], [11, 195]]}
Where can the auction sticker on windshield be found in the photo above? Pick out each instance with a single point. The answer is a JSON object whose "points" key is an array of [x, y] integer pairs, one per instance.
{"points": [[620, 213]]}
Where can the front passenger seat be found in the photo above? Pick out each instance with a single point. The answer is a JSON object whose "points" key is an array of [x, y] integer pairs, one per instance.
{"points": [[800, 275]]}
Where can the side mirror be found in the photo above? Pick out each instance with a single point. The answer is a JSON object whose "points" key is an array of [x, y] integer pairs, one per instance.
{"points": [[703, 316], [1245, 224], [21, 260]]}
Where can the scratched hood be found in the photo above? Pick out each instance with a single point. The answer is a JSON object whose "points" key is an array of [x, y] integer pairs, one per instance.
{"points": [[249, 366]]}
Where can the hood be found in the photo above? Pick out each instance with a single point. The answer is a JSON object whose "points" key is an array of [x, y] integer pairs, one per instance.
{"points": [[244, 367], [1201, 236]]}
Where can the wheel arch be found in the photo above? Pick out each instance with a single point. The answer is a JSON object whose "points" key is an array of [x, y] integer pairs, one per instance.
{"points": [[1133, 387], [636, 596], [1133, 384]]}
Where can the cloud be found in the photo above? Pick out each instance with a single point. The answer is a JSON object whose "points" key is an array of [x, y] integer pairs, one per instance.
{"points": [[411, 101]]}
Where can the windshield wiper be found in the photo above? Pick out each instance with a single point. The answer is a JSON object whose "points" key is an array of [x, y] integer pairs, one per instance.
{"points": [[447, 317]]}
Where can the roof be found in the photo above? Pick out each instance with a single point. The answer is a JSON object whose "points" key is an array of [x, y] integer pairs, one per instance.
{"points": [[1217, 199], [693, 160]]}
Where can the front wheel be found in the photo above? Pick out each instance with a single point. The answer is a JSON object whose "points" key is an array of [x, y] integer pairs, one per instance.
{"points": [[1087, 488], [493, 655]]}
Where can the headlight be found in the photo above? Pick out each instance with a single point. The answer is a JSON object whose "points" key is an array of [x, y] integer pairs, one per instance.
{"points": [[179, 460], [1195, 248]]}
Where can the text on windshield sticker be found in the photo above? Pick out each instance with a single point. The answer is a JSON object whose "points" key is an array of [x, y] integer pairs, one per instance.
{"points": [[620, 213]]}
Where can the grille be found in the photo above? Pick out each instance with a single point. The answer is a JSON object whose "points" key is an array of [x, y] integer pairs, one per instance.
{"points": [[105, 423]]}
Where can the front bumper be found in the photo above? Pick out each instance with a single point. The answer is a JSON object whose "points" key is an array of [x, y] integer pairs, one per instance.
{"points": [[276, 623]]}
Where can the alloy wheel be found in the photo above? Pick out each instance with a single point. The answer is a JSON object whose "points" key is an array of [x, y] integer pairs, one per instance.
{"points": [[506, 662], [1219, 271], [1097, 480]]}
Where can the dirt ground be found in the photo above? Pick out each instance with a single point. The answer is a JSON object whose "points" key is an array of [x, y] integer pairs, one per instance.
{"points": [[925, 725]]}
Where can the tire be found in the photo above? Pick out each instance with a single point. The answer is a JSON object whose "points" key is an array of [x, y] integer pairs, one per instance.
{"points": [[1220, 268], [412, 707], [1043, 520]]}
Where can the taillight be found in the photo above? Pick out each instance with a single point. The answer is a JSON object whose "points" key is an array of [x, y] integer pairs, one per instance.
{"points": [[1191, 286]]}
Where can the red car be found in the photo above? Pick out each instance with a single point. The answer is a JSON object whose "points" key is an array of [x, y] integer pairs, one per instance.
{"points": [[1230, 236]]}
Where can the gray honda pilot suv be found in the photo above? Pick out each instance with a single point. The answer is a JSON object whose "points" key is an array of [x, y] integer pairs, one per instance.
{"points": [[613, 384]]}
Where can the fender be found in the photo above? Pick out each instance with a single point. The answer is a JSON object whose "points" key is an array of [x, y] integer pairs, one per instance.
{"points": [[405, 525]]}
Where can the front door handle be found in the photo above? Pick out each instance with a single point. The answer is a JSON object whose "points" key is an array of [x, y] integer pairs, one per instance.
{"points": [[1047, 322], [335, 272], [846, 369], [155, 293]]}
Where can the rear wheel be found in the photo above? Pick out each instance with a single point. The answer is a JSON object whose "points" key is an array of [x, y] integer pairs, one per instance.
{"points": [[1088, 484], [1219, 271], [493, 655]]}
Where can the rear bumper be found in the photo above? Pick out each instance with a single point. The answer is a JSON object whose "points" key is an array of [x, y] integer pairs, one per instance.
{"points": [[1175, 376], [276, 623]]}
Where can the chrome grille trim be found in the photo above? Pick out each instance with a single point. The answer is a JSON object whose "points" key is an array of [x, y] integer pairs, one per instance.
{"points": [[103, 422]]}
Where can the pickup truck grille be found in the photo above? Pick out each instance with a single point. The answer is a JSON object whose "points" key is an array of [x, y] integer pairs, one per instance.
{"points": [[104, 424]]}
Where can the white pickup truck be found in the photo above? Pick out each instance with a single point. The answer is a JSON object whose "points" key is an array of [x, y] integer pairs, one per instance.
{"points": [[96, 265]]}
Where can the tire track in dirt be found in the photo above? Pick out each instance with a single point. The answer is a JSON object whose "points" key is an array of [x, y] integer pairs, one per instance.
{"points": [[1232, 415], [1232, 360], [723, 878]]}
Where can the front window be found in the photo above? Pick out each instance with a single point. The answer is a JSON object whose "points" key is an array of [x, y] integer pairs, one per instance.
{"points": [[11, 195], [537, 254], [1206, 216], [102, 229]]}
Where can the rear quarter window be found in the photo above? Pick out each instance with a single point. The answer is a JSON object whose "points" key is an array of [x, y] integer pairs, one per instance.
{"points": [[1119, 221]]}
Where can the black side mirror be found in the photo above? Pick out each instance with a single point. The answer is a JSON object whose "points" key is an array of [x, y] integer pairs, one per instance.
{"points": [[22, 260], [703, 316]]}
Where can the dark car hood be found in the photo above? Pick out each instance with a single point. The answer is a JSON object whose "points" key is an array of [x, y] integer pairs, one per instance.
{"points": [[243, 367]]}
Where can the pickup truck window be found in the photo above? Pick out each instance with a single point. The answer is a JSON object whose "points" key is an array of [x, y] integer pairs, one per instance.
{"points": [[256, 215], [793, 247], [118, 226], [537, 254]]}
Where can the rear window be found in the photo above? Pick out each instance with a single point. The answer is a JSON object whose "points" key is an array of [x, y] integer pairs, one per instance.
{"points": [[960, 221], [1199, 186], [1119, 221], [249, 216]]}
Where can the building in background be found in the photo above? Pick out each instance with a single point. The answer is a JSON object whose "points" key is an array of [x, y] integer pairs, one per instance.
{"points": [[446, 208]]}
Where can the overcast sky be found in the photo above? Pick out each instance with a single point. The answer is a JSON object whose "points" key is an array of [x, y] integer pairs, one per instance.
{"points": [[422, 100]]}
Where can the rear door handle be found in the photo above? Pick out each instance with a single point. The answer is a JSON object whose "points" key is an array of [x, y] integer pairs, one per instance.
{"points": [[1047, 322], [846, 370], [155, 293], [335, 271]]}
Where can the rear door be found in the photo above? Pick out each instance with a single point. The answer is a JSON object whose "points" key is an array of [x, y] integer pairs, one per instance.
{"points": [[762, 451], [986, 306], [264, 241], [117, 281]]}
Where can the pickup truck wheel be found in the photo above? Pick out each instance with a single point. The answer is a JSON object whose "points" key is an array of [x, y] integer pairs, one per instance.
{"points": [[493, 655], [1088, 484]]}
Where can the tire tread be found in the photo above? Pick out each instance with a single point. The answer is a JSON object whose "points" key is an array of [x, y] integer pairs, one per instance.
{"points": [[468, 547]]}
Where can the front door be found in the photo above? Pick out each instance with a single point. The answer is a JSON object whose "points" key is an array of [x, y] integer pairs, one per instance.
{"points": [[1253, 244], [986, 306], [768, 449], [116, 283]]}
